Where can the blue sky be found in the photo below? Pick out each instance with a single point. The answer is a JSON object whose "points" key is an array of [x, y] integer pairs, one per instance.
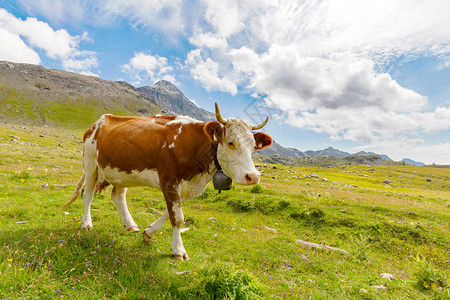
{"points": [[354, 75]]}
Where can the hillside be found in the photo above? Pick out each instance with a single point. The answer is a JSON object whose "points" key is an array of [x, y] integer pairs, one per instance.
{"points": [[32, 94], [169, 97], [383, 220], [328, 160]]}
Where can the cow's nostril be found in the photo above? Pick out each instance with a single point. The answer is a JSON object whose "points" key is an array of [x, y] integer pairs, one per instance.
{"points": [[251, 178]]}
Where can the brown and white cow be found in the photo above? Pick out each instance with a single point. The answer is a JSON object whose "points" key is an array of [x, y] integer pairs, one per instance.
{"points": [[172, 153]]}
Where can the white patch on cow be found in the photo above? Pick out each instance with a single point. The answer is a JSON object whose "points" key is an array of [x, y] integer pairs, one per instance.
{"points": [[183, 120], [177, 243], [180, 129], [195, 186], [164, 145], [172, 145], [116, 177]]}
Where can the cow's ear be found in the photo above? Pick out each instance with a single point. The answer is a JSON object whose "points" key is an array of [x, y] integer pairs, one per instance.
{"points": [[262, 140], [214, 131]]}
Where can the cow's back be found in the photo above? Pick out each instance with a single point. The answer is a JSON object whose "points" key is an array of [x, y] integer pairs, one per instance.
{"points": [[167, 144]]}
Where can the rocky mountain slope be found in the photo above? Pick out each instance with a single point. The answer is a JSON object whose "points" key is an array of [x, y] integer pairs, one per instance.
{"points": [[169, 97], [33, 94]]}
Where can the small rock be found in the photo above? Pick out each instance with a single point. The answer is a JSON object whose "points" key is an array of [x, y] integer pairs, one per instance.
{"points": [[21, 222], [41, 135], [271, 229], [274, 167], [257, 166], [305, 258], [379, 287], [387, 276], [67, 213], [183, 272], [363, 291], [212, 219], [244, 230], [428, 179], [44, 186], [386, 181], [60, 186]]}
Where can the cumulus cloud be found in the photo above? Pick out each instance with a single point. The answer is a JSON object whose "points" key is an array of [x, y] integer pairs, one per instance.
{"points": [[143, 67], [206, 71], [59, 44], [12, 48], [321, 62]]}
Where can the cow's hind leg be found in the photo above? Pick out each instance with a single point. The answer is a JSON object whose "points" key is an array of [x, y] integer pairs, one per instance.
{"points": [[155, 226], [118, 196], [88, 194]]}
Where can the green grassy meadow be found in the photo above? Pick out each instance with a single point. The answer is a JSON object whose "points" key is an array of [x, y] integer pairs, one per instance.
{"points": [[241, 243]]}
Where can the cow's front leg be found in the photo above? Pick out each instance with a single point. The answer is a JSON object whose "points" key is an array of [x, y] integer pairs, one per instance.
{"points": [[178, 250], [173, 201]]}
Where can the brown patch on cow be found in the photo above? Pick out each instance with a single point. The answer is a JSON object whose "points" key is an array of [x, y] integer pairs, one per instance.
{"points": [[262, 140], [136, 144]]}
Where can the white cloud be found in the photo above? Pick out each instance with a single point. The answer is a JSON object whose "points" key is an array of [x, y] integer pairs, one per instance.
{"points": [[207, 73], [416, 149], [225, 16], [143, 67], [320, 62], [12, 48], [59, 44]]}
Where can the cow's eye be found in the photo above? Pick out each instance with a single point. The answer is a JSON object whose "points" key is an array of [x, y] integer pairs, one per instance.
{"points": [[231, 145]]}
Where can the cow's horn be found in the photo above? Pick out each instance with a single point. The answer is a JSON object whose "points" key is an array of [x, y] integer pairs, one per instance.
{"points": [[219, 116], [259, 126]]}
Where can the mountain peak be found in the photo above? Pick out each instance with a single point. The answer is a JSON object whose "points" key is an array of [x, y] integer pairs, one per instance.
{"points": [[169, 97], [166, 85]]}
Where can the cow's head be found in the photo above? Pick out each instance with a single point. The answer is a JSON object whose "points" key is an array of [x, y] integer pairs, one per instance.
{"points": [[235, 145]]}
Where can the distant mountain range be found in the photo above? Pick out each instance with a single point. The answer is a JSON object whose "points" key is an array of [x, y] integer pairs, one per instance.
{"points": [[169, 97], [33, 94]]}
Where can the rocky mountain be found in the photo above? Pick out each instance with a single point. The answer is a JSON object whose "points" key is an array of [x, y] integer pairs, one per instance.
{"points": [[413, 162], [327, 160], [169, 97], [280, 150], [330, 151], [383, 156], [33, 94]]}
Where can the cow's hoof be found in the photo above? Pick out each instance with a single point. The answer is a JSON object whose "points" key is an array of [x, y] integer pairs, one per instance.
{"points": [[133, 229], [86, 227], [180, 256], [146, 237]]}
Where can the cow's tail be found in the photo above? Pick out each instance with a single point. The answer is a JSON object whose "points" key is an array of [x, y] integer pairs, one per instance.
{"points": [[76, 192]]}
